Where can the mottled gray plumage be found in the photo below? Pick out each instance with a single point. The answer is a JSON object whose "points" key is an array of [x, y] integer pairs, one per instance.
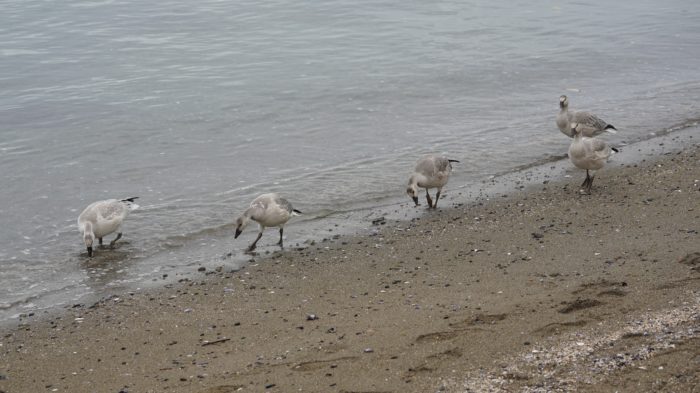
{"points": [[431, 172], [590, 154], [268, 210], [284, 204], [102, 218], [433, 166], [589, 124]]}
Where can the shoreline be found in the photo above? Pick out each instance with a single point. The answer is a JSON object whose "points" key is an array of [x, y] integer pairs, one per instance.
{"points": [[212, 250], [471, 288]]}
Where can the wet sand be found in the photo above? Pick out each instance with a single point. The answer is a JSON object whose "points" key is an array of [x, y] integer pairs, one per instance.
{"points": [[540, 290]]}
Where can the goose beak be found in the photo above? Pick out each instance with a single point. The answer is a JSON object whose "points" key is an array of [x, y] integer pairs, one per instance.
{"points": [[89, 250], [238, 233], [415, 199]]}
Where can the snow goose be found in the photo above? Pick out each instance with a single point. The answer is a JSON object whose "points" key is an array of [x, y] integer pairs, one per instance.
{"points": [[589, 154], [431, 172], [589, 124], [268, 210], [101, 218]]}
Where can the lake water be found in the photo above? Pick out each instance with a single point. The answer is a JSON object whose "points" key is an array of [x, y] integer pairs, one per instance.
{"points": [[197, 107]]}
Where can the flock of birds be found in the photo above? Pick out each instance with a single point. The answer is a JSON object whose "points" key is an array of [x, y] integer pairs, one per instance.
{"points": [[102, 218]]}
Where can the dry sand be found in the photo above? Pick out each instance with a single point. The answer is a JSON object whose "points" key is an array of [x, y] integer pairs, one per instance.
{"points": [[540, 290]]}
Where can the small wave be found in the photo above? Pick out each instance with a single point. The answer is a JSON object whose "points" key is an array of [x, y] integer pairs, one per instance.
{"points": [[21, 52], [19, 302]]}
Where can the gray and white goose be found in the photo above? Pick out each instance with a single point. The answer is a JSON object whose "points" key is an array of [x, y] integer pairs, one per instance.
{"points": [[102, 218], [431, 172], [590, 154], [589, 124], [268, 210]]}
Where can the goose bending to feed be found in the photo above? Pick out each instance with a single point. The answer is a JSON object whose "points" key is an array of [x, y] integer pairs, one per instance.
{"points": [[589, 124], [589, 154], [268, 210], [431, 172], [101, 218]]}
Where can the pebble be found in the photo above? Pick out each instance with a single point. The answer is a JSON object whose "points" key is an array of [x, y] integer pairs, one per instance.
{"points": [[379, 221]]}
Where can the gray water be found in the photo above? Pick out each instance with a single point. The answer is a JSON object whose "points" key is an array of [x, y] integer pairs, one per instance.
{"points": [[197, 107]]}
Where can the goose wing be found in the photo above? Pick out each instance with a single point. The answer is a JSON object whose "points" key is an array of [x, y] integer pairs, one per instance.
{"points": [[598, 149], [111, 210], [442, 164], [283, 203], [430, 166], [588, 121]]}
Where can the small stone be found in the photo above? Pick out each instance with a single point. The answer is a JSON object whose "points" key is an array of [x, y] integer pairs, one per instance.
{"points": [[311, 317], [368, 350], [201, 269], [379, 221]]}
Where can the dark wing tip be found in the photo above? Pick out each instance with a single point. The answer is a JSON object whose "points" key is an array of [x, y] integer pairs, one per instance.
{"points": [[610, 126], [297, 211], [129, 199], [615, 149], [452, 160]]}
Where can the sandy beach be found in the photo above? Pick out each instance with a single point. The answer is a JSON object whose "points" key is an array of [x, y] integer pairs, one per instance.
{"points": [[539, 290]]}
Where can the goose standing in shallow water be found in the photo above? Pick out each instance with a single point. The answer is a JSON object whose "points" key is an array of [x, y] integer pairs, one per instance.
{"points": [[589, 154], [101, 218], [268, 210], [589, 124], [431, 172]]}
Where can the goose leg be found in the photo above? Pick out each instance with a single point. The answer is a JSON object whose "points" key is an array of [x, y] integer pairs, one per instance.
{"points": [[111, 244], [428, 198], [252, 246], [280, 242], [437, 196], [590, 184], [100, 239], [585, 181]]}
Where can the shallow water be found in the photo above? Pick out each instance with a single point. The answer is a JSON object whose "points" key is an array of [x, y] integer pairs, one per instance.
{"points": [[197, 108]]}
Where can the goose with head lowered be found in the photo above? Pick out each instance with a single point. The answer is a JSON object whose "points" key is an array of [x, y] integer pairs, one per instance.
{"points": [[268, 210]]}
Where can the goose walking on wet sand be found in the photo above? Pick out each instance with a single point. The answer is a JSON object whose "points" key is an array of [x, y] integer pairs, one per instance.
{"points": [[268, 210], [431, 172], [589, 154], [102, 218], [589, 124]]}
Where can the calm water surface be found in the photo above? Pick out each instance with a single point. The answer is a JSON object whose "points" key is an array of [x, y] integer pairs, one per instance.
{"points": [[197, 107]]}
